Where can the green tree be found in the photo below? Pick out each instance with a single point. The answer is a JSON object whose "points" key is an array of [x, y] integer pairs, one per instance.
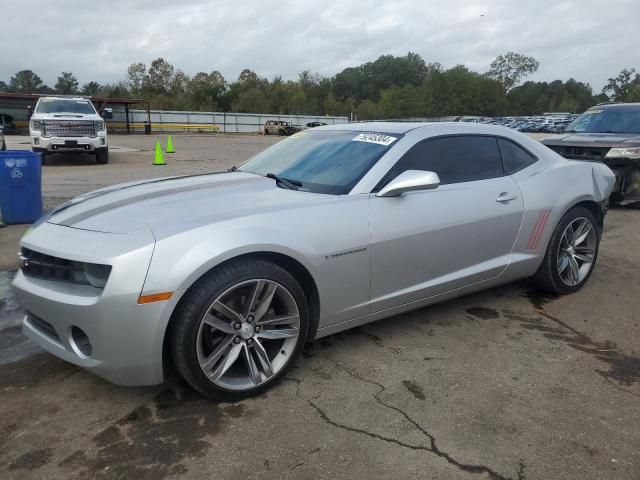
{"points": [[367, 110], [633, 95], [622, 88], [510, 68], [114, 90], [67, 84], [91, 89], [4, 87], [532, 98], [25, 81], [136, 78], [159, 77], [206, 90], [252, 101]]}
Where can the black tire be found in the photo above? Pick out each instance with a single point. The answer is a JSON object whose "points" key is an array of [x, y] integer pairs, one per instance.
{"points": [[42, 152], [281, 133], [186, 320], [547, 277], [102, 156], [266, 132]]}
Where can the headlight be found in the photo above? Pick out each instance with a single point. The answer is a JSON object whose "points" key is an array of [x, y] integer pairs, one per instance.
{"points": [[623, 152], [47, 267], [96, 274], [99, 124], [36, 125]]}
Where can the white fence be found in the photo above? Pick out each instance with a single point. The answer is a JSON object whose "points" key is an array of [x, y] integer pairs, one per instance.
{"points": [[214, 122]]}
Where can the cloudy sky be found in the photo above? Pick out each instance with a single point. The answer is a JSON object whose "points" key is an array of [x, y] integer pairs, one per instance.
{"points": [[586, 39]]}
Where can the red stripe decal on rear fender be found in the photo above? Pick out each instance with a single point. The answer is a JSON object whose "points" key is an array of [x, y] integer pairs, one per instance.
{"points": [[535, 231], [544, 224], [539, 229]]}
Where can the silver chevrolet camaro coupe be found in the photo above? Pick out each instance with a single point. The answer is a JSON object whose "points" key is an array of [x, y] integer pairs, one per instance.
{"points": [[225, 276]]}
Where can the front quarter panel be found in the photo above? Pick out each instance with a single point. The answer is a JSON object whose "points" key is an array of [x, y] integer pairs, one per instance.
{"points": [[329, 239]]}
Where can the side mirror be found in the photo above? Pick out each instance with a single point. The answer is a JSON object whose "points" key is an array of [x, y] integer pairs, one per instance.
{"points": [[107, 113], [410, 181], [29, 112]]}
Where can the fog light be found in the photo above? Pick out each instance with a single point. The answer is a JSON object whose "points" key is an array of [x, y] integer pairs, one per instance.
{"points": [[102, 141], [80, 342], [36, 141]]}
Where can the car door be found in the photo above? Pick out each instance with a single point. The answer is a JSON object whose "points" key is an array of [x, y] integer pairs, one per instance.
{"points": [[425, 243]]}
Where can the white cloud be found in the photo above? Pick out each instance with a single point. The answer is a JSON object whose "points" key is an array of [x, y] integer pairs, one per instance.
{"points": [[588, 40]]}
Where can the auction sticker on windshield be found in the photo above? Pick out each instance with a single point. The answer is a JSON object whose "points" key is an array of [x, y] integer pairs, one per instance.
{"points": [[378, 138]]}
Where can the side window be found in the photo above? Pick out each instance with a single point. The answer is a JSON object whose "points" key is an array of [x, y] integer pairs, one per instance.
{"points": [[455, 159], [514, 157]]}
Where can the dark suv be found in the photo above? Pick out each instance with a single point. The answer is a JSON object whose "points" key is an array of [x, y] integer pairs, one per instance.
{"points": [[608, 133]]}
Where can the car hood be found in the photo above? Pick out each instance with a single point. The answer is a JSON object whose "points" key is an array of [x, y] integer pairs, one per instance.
{"points": [[154, 203], [594, 140], [66, 116]]}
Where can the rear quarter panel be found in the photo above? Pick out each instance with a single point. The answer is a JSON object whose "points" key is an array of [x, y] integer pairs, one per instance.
{"points": [[550, 188]]}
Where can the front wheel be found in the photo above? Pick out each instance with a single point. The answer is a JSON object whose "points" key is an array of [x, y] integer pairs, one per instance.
{"points": [[571, 253], [239, 329], [102, 156]]}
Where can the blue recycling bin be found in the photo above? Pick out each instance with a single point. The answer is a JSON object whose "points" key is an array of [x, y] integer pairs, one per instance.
{"points": [[20, 186]]}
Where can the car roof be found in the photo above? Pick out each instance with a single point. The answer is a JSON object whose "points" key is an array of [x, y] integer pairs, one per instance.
{"points": [[405, 127], [616, 106], [63, 97]]}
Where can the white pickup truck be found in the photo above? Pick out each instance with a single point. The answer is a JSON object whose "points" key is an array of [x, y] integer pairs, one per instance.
{"points": [[69, 125]]}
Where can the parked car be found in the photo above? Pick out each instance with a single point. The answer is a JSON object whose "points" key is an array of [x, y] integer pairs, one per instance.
{"points": [[7, 122], [69, 125], [609, 134], [315, 124], [279, 127], [227, 275]]}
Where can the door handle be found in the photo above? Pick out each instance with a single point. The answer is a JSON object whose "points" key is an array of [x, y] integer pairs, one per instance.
{"points": [[506, 197]]}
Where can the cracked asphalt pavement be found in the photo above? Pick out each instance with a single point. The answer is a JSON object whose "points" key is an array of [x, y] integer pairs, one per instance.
{"points": [[503, 384]]}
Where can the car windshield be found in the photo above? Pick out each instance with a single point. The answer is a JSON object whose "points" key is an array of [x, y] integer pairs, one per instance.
{"points": [[64, 105], [607, 120], [329, 162]]}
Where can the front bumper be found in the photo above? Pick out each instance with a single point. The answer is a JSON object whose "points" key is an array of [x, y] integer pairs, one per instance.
{"points": [[627, 179], [68, 144], [126, 338]]}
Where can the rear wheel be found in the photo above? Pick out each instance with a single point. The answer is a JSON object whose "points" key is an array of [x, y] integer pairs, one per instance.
{"points": [[571, 253], [239, 329]]}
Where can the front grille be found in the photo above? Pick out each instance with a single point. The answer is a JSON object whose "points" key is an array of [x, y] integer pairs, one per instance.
{"points": [[43, 326], [581, 153], [69, 128], [47, 267]]}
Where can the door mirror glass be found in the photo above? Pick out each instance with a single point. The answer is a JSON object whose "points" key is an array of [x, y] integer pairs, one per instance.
{"points": [[29, 112], [107, 113], [409, 181]]}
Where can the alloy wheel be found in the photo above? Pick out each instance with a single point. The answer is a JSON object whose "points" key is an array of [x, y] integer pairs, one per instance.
{"points": [[248, 334], [577, 251]]}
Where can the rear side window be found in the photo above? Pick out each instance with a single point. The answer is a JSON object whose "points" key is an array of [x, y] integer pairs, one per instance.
{"points": [[455, 159], [514, 157]]}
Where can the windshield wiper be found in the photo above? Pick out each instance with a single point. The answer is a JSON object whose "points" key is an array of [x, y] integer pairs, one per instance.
{"points": [[290, 184], [233, 169]]}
